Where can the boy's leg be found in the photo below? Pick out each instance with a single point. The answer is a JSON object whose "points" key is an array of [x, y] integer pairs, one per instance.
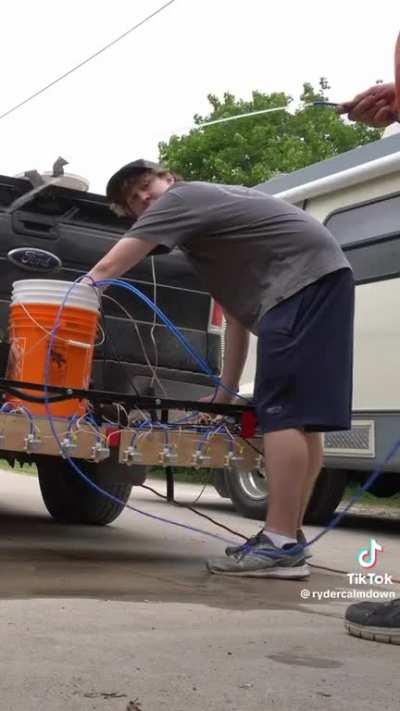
{"points": [[298, 379], [315, 461], [293, 460], [287, 462], [270, 555]]}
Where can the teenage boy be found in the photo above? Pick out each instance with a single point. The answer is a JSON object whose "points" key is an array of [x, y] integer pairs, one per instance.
{"points": [[278, 273]]}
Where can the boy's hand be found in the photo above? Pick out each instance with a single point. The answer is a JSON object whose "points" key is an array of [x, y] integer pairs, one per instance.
{"points": [[88, 281], [220, 398]]}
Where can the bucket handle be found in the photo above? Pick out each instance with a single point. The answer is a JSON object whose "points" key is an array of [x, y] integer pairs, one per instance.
{"points": [[78, 344]]}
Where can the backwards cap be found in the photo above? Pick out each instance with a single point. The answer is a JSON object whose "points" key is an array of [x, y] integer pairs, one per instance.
{"points": [[128, 170]]}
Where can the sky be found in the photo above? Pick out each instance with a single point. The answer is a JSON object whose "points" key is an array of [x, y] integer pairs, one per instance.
{"points": [[149, 86]]}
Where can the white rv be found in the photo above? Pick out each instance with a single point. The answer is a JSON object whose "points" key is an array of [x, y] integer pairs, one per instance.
{"points": [[357, 196]]}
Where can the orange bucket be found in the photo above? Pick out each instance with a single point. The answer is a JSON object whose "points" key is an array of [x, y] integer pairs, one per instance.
{"points": [[34, 312], [397, 74]]}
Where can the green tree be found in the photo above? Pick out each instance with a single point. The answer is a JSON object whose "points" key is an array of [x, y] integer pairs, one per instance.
{"points": [[250, 150]]}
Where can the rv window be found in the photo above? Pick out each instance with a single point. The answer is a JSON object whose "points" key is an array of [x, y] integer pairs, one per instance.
{"points": [[366, 221], [375, 261], [369, 234]]}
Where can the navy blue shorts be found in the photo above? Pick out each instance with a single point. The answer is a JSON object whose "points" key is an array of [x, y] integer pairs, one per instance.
{"points": [[305, 358]]}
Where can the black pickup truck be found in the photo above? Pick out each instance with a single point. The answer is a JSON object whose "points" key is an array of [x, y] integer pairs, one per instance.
{"points": [[78, 228]]}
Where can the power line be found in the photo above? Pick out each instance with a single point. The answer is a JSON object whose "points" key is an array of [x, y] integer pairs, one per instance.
{"points": [[85, 61]]}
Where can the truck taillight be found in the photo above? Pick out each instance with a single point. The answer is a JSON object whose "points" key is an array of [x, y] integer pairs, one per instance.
{"points": [[216, 320]]}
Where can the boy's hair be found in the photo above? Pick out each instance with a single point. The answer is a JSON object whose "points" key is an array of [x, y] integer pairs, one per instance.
{"points": [[122, 182]]}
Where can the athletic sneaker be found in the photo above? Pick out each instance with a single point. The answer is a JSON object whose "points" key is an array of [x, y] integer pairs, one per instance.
{"points": [[260, 558], [301, 539], [377, 621]]}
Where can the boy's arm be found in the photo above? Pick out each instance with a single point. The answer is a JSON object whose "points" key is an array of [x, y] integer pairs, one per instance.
{"points": [[235, 353], [128, 252]]}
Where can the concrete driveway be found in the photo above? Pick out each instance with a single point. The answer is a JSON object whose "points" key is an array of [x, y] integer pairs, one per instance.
{"points": [[96, 618]]}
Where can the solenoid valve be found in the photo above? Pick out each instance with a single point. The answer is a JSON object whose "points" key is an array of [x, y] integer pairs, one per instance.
{"points": [[32, 443], [67, 446], [132, 456], [99, 452], [199, 459], [167, 457], [231, 460]]}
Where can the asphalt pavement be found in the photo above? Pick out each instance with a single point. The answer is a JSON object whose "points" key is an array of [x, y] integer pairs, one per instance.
{"points": [[126, 616]]}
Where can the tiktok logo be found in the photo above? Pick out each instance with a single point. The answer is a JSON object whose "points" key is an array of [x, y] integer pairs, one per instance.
{"points": [[368, 557]]}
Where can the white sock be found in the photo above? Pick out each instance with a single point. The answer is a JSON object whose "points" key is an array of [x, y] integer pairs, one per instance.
{"points": [[278, 539]]}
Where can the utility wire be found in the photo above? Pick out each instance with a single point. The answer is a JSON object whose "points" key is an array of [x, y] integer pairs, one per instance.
{"points": [[85, 61], [190, 508]]}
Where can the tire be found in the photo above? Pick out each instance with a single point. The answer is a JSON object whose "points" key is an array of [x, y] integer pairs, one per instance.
{"points": [[326, 497], [219, 482], [386, 485], [248, 493], [69, 499]]}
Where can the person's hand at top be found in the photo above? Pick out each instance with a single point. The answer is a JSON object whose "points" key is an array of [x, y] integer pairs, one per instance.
{"points": [[375, 107]]}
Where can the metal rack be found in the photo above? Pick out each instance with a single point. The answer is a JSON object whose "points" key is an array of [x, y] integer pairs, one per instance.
{"points": [[167, 443]]}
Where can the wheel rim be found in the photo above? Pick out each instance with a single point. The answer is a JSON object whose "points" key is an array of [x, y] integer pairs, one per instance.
{"points": [[253, 484]]}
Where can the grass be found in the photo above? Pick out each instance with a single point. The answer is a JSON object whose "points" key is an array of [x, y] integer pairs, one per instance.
{"points": [[368, 499], [19, 468], [203, 476], [184, 475], [181, 474]]}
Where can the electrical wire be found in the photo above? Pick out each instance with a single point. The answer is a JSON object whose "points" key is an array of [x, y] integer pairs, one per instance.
{"points": [[119, 424], [25, 412], [249, 444], [139, 335], [153, 271], [87, 60], [198, 513], [116, 356], [68, 341], [134, 290], [197, 499], [177, 333]]}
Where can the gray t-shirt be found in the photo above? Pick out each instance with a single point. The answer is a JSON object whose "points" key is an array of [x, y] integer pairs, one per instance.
{"points": [[251, 250]]}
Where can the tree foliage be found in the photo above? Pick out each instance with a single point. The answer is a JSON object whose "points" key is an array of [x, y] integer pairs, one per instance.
{"points": [[251, 150]]}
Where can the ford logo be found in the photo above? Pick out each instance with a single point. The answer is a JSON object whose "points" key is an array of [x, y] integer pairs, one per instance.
{"points": [[34, 260]]}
